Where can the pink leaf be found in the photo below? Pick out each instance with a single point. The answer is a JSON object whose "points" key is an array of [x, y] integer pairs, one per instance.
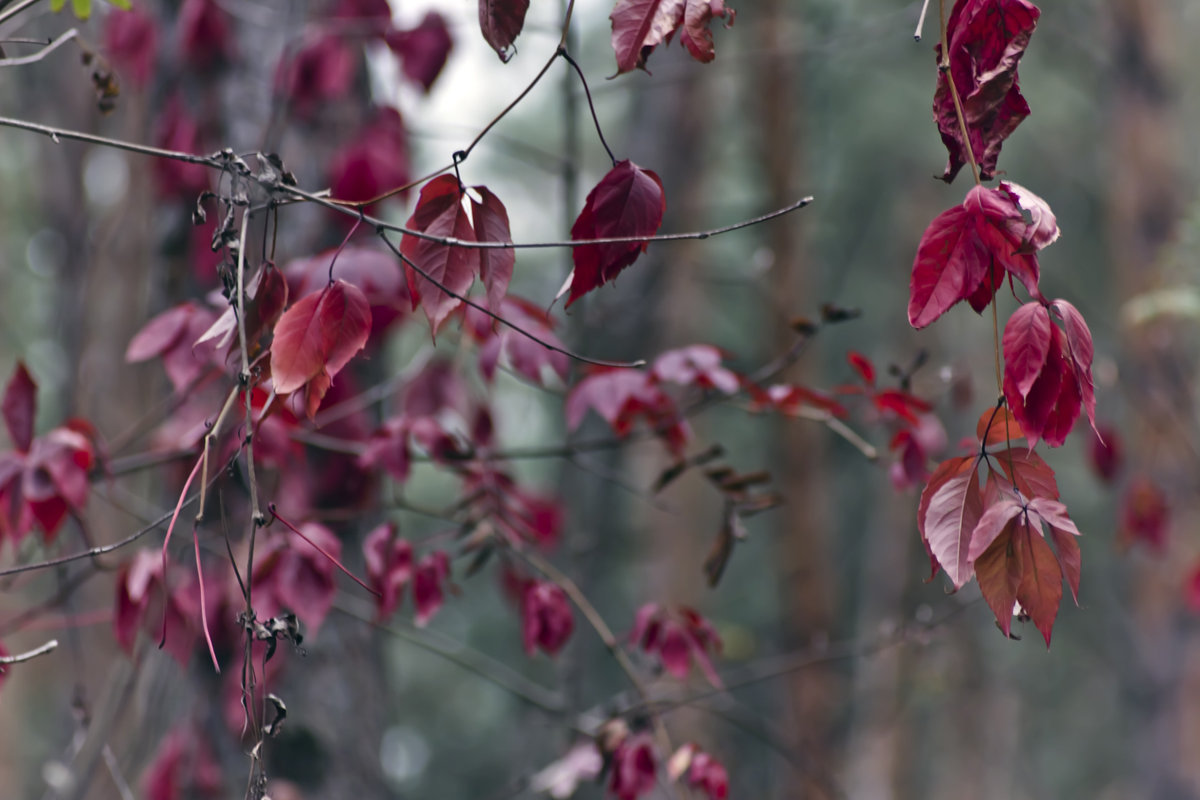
{"points": [[953, 510], [1082, 352], [546, 617], [424, 49], [431, 571]]}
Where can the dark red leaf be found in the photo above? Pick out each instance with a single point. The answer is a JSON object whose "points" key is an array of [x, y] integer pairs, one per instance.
{"points": [[1082, 352], [1144, 515], [131, 41], [638, 26], [1028, 472], [501, 22], [184, 767], [440, 212], [432, 570], [999, 575], [863, 366], [1040, 589], [176, 129], [321, 71], [628, 201], [389, 561], [318, 336], [1106, 453], [709, 775], [546, 620], [633, 768], [204, 36], [20, 407], [1035, 409], [1063, 533], [986, 41], [495, 265], [423, 50], [790, 399], [1026, 345], [375, 163], [293, 574]]}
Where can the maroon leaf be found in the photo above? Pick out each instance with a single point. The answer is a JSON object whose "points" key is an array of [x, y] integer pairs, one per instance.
{"points": [[709, 775], [1040, 589], [501, 22], [204, 36], [375, 163], [1144, 516], [176, 129], [184, 766], [1082, 352], [320, 71], [546, 617], [638, 26], [440, 212], [620, 397], [131, 41], [1033, 410], [389, 561], [1026, 345], [293, 574], [424, 49], [1063, 533], [628, 201], [986, 41], [431, 571], [491, 225], [20, 407], [1028, 472], [1106, 453], [633, 768], [318, 335], [999, 575]]}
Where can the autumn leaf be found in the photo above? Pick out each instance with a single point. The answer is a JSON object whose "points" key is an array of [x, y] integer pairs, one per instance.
{"points": [[628, 201], [495, 264], [317, 337], [986, 41], [439, 212], [20, 407], [963, 250], [950, 508], [638, 26], [501, 22]]}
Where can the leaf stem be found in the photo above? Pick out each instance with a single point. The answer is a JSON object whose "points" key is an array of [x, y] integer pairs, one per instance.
{"points": [[944, 66], [562, 51]]}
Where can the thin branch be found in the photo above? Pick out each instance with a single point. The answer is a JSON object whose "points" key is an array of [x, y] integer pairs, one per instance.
{"points": [[483, 310], [591, 106], [921, 21], [33, 58], [17, 9], [42, 650]]}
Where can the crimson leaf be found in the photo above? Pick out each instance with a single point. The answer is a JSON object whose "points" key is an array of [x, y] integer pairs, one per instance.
{"points": [[628, 201], [20, 407], [501, 22], [638, 26], [439, 212]]}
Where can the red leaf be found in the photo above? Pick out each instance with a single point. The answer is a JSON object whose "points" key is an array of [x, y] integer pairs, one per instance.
{"points": [[638, 26], [790, 399], [184, 766], [633, 768], [291, 573], [320, 71], [1026, 345], [491, 225], [546, 620], [318, 336], [424, 49], [20, 407], [501, 22], [1042, 229], [375, 163], [131, 40], [1144, 515], [526, 357], [389, 561], [1040, 589], [176, 129], [960, 251], [440, 212], [986, 41], [1063, 533], [204, 36], [1106, 453], [863, 366], [160, 334], [628, 201], [1034, 410], [998, 572], [708, 774], [1028, 472], [427, 585], [1079, 344], [992, 523]]}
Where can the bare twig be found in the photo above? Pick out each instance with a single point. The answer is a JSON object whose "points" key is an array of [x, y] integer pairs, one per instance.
{"points": [[33, 58], [28, 655], [8, 14]]}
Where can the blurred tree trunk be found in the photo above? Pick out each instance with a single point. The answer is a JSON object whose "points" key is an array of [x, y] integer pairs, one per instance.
{"points": [[1144, 206], [807, 604]]}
